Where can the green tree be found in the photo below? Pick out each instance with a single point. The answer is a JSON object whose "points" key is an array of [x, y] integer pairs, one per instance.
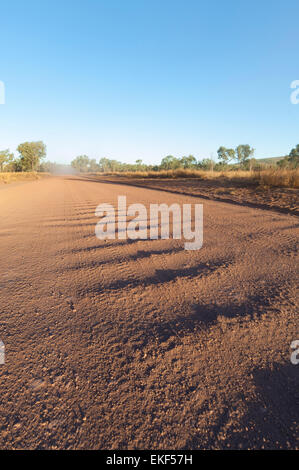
{"points": [[244, 152], [251, 164], [6, 158], [93, 165], [206, 164], [188, 162], [31, 154], [293, 157], [104, 164], [226, 155], [170, 163], [81, 163]]}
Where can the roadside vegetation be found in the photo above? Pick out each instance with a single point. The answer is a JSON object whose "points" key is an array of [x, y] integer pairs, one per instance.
{"points": [[237, 165], [29, 158], [27, 165], [13, 177], [288, 178]]}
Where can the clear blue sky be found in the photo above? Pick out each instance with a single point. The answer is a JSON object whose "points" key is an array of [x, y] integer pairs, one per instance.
{"points": [[132, 79]]}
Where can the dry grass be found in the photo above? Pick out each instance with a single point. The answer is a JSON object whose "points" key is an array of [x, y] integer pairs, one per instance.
{"points": [[180, 173], [281, 178], [274, 177], [12, 177]]}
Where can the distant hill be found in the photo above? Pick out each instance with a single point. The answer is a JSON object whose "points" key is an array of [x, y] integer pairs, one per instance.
{"points": [[270, 160]]}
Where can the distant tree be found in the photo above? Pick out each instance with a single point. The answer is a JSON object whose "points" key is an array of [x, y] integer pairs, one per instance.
{"points": [[93, 165], [114, 165], [293, 157], [104, 164], [188, 162], [48, 167], [206, 164], [169, 163], [226, 155], [243, 153], [81, 163], [291, 160], [222, 155], [6, 158], [284, 162], [31, 154], [251, 164]]}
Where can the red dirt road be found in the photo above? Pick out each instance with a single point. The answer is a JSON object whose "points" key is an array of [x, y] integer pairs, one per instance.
{"points": [[142, 344]]}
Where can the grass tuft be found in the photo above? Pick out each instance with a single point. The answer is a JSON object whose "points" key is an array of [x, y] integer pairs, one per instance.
{"points": [[12, 177]]}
